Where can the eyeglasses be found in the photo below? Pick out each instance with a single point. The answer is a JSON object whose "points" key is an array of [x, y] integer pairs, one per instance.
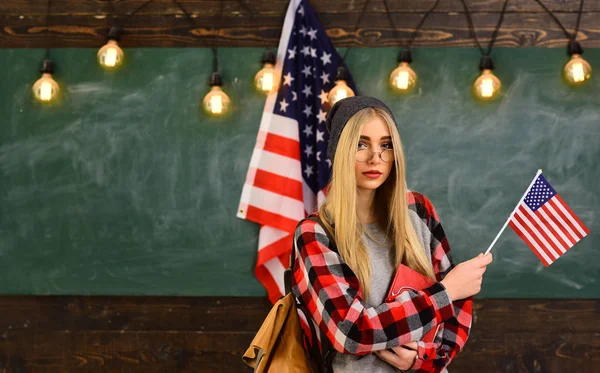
{"points": [[365, 155]]}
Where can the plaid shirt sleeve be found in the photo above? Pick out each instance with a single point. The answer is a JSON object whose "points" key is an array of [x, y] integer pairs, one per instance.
{"points": [[454, 332], [332, 296]]}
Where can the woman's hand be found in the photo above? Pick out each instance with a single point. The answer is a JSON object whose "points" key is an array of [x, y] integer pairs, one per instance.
{"points": [[402, 358], [465, 279]]}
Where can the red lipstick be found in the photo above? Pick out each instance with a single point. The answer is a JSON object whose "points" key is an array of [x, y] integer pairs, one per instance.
{"points": [[373, 174]]}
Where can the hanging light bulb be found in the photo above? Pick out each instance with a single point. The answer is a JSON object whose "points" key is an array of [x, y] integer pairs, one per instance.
{"points": [[577, 70], [46, 89], [403, 79], [216, 101], [111, 56], [341, 89], [487, 86], [266, 80]]}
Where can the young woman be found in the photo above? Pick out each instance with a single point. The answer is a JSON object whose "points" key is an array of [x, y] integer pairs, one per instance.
{"points": [[378, 225]]}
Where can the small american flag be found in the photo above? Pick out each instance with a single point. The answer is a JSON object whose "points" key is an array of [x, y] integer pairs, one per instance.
{"points": [[289, 168], [545, 222]]}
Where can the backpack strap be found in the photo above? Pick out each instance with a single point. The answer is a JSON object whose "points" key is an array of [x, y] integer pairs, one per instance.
{"points": [[324, 357]]}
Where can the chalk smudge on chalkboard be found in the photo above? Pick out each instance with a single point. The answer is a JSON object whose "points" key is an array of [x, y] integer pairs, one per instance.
{"points": [[562, 279]]}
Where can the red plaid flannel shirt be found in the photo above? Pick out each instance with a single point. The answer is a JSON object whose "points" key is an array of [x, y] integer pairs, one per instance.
{"points": [[331, 294]]}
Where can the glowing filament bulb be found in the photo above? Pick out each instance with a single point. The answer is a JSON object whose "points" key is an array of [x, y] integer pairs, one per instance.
{"points": [[216, 104], [267, 79], [267, 83], [487, 87], [341, 89], [403, 79], [46, 91], [342, 93], [111, 57], [577, 71]]}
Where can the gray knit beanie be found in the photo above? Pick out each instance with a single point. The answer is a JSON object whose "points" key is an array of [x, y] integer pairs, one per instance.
{"points": [[342, 111]]}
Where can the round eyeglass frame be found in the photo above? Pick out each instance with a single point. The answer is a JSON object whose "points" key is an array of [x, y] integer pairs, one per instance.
{"points": [[372, 154]]}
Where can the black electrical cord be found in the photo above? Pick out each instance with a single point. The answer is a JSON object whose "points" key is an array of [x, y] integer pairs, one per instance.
{"points": [[246, 7], [115, 30], [185, 12], [408, 45], [343, 63], [214, 47], [494, 34], [266, 42], [113, 11], [215, 76], [135, 11], [559, 23], [47, 57]]}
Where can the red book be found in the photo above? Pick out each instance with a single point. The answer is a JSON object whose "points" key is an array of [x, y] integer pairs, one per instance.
{"points": [[407, 278]]}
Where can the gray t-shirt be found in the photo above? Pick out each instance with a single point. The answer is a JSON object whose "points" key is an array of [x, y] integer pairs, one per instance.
{"points": [[382, 272]]}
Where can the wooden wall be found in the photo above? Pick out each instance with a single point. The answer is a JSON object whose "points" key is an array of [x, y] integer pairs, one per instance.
{"points": [[84, 23], [205, 334]]}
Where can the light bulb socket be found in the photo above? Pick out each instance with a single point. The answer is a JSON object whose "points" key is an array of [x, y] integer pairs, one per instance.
{"points": [[215, 80], [342, 73], [114, 33], [269, 57], [47, 67], [574, 48], [486, 63], [405, 56]]}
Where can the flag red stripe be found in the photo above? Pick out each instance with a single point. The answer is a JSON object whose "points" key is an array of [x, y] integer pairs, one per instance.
{"points": [[556, 232], [536, 238], [285, 259], [283, 146], [586, 230], [275, 249], [566, 220], [264, 217], [556, 205], [266, 278], [527, 213], [557, 220], [531, 247], [278, 184]]}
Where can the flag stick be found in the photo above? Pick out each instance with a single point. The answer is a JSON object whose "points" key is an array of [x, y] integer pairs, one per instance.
{"points": [[513, 212]]}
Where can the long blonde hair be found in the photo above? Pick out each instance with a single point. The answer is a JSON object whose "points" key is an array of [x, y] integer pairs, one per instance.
{"points": [[340, 216]]}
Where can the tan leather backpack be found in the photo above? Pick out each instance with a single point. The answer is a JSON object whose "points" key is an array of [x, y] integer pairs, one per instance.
{"points": [[278, 346]]}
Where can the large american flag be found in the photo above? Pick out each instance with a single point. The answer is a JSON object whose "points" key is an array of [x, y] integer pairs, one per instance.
{"points": [[289, 168], [545, 222]]}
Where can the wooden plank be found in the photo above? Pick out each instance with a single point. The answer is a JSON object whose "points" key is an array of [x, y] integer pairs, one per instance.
{"points": [[206, 314], [73, 23], [528, 352], [440, 30], [133, 351], [568, 316], [209, 334], [245, 314], [248, 8]]}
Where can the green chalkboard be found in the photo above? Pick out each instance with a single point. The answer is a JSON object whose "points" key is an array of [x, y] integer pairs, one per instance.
{"points": [[125, 187]]}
